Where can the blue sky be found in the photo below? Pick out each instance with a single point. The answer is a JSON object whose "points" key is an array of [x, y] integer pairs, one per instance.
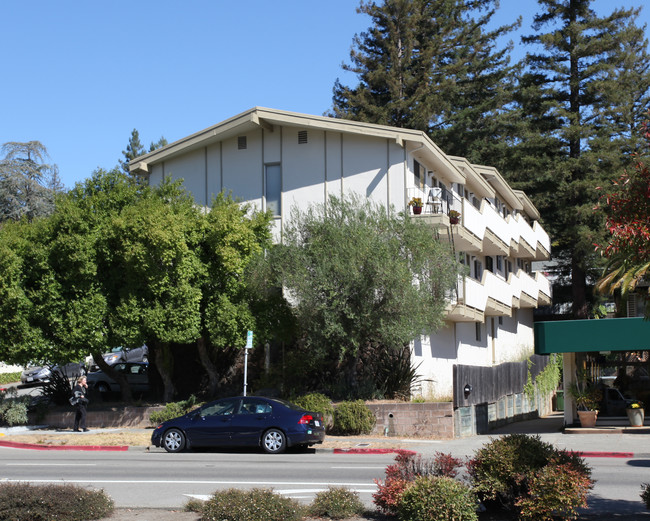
{"points": [[79, 76]]}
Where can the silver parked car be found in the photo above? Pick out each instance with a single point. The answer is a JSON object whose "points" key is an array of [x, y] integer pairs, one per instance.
{"points": [[122, 354], [38, 375]]}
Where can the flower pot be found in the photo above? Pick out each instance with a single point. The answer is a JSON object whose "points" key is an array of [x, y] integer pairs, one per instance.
{"points": [[636, 417], [417, 210], [454, 220], [588, 418]]}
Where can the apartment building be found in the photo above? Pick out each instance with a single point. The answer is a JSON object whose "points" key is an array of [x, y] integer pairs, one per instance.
{"points": [[277, 160]]}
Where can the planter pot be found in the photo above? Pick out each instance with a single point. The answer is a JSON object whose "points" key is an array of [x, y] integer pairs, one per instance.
{"points": [[588, 418], [454, 220], [636, 417], [417, 210]]}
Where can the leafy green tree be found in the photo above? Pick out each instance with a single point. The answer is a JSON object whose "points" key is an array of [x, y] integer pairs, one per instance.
{"points": [[233, 237], [120, 263], [154, 245], [360, 279], [28, 185], [577, 118], [432, 66]]}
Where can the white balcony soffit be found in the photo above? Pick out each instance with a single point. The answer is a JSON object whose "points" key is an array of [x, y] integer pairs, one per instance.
{"points": [[474, 181]]}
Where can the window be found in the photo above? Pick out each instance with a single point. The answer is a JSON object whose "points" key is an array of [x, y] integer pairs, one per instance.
{"points": [[499, 263], [222, 407], [478, 331], [255, 406], [489, 264], [418, 172], [478, 269], [273, 188]]}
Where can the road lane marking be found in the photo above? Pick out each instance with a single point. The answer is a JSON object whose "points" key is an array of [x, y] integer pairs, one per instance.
{"points": [[188, 482], [50, 464], [353, 467], [293, 492]]}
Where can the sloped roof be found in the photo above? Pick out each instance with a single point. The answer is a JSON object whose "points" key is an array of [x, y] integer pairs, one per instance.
{"points": [[415, 141]]}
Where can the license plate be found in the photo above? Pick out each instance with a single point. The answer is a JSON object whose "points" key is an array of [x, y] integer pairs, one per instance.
{"points": [[30, 379], [317, 423]]}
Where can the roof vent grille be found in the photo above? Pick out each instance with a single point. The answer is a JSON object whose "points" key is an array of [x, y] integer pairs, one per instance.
{"points": [[241, 143], [302, 137]]}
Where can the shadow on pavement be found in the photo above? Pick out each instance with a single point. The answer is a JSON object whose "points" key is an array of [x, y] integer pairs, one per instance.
{"points": [[547, 424]]}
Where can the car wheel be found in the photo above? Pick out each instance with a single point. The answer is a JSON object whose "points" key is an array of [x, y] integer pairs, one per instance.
{"points": [[103, 387], [274, 441], [173, 440]]}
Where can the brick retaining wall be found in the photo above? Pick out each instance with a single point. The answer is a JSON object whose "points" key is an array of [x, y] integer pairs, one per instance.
{"points": [[424, 420], [136, 417]]}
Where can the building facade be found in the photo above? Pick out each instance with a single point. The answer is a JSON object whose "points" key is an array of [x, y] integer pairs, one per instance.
{"points": [[277, 160]]}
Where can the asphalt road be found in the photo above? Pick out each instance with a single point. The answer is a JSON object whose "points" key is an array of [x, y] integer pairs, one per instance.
{"points": [[159, 480], [155, 479]]}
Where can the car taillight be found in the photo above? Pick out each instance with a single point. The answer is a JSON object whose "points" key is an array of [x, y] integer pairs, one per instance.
{"points": [[306, 418]]}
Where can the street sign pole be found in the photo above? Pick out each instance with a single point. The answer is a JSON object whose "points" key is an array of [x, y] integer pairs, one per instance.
{"points": [[249, 345]]}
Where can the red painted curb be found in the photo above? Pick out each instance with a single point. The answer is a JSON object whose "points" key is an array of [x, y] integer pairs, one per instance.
{"points": [[15, 445], [372, 451], [603, 454]]}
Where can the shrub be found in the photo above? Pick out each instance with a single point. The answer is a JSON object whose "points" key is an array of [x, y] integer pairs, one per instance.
{"points": [[352, 418], [408, 467], [437, 499], [250, 505], [59, 388], [337, 503], [9, 378], [316, 402], [13, 412], [389, 494], [173, 410], [13, 409], [645, 494], [555, 492], [509, 471], [45, 502], [193, 505]]}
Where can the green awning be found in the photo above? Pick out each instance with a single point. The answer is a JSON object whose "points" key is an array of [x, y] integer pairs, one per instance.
{"points": [[581, 336]]}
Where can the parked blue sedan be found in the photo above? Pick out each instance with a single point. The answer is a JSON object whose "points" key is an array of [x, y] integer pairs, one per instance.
{"points": [[243, 421]]}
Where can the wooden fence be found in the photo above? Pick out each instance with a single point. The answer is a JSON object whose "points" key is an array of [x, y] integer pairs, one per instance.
{"points": [[489, 384]]}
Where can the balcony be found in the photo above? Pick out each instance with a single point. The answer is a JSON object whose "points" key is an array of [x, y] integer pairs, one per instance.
{"points": [[481, 229], [495, 296]]}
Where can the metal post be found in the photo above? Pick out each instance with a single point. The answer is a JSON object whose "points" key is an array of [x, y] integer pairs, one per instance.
{"points": [[245, 369], [249, 345]]}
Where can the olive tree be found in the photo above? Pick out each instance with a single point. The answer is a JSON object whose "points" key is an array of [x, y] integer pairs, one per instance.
{"points": [[363, 281]]}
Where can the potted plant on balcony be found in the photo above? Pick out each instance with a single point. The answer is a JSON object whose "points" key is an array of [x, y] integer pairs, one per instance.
{"points": [[635, 413], [454, 217], [416, 203], [587, 398]]}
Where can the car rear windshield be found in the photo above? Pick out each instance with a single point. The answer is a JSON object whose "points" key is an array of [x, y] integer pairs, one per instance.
{"points": [[289, 405]]}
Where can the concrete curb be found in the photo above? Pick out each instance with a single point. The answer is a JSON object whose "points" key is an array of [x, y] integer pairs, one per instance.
{"points": [[35, 446], [351, 450]]}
